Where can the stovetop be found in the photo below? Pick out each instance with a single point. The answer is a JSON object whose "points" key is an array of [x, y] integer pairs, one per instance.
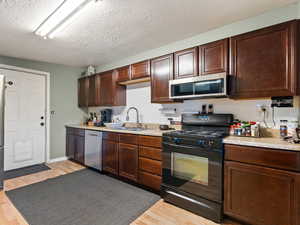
{"points": [[201, 132]]}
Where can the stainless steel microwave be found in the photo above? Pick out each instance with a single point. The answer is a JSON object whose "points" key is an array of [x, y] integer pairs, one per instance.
{"points": [[214, 86]]}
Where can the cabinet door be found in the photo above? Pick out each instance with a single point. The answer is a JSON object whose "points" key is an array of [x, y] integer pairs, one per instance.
{"points": [[106, 89], [110, 156], [83, 91], [263, 62], [92, 91], [186, 63], [79, 150], [128, 161], [213, 57], [70, 146], [161, 73], [140, 70], [260, 195], [123, 74]]}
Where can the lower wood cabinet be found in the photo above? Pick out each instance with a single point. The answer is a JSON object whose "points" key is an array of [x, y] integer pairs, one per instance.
{"points": [[134, 157], [259, 195], [128, 161], [110, 157], [75, 144], [150, 180]]}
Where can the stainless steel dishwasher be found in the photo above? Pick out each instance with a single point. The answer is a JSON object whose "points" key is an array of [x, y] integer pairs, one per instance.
{"points": [[93, 149]]}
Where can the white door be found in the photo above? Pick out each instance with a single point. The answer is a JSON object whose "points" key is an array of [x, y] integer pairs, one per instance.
{"points": [[24, 127]]}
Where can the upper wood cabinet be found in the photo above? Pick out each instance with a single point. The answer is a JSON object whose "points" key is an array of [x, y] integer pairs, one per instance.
{"points": [[140, 69], [161, 73], [264, 62], [123, 74], [111, 94], [94, 90], [213, 57], [186, 63], [83, 91]]}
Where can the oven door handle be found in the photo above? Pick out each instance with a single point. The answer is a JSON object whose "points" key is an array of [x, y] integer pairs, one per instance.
{"points": [[179, 146]]}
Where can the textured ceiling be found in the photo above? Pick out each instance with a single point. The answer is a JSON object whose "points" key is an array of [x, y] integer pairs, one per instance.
{"points": [[115, 29]]}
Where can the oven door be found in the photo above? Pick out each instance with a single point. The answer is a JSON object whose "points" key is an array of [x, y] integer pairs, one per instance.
{"points": [[194, 170]]}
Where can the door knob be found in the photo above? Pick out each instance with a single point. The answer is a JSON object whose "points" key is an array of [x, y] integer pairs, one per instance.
{"points": [[42, 124]]}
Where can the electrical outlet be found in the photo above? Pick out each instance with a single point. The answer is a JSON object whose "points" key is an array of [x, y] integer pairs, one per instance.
{"points": [[261, 108]]}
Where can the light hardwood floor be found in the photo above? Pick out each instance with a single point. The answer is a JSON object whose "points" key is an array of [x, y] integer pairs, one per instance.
{"points": [[159, 214]]}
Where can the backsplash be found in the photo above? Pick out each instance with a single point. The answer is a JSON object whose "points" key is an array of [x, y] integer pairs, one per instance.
{"points": [[139, 96]]}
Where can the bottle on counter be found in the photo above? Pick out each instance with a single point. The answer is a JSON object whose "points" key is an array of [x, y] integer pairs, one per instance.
{"points": [[283, 128], [210, 109], [292, 127]]}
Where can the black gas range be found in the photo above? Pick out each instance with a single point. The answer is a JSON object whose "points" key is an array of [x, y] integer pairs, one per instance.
{"points": [[193, 164]]}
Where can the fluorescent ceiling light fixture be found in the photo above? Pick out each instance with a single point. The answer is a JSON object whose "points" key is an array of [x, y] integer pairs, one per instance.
{"points": [[64, 15]]}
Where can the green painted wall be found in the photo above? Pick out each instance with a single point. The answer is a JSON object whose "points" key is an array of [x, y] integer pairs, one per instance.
{"points": [[267, 19], [63, 98]]}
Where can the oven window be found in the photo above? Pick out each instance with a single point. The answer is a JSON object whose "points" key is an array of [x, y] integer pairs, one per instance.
{"points": [[182, 89], [209, 87], [189, 167]]}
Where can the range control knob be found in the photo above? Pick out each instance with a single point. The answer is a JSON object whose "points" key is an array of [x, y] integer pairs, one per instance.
{"points": [[177, 140], [201, 142]]}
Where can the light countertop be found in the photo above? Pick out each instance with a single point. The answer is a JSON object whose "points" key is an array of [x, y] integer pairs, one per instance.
{"points": [[264, 142], [147, 132]]}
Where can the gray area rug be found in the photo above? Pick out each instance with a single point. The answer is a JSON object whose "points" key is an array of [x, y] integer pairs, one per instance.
{"points": [[25, 171], [81, 198]]}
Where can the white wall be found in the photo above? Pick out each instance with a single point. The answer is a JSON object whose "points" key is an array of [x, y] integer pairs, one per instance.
{"points": [[139, 95]]}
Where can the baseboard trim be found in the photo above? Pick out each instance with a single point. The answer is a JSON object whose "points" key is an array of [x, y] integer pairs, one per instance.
{"points": [[58, 159]]}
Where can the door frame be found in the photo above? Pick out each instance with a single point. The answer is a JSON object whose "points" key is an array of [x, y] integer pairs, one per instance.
{"points": [[47, 94]]}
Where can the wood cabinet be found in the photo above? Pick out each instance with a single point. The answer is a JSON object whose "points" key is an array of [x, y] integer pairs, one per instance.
{"points": [[161, 73], [186, 63], [140, 70], [134, 157], [213, 57], [83, 91], [128, 161], [263, 63], [94, 90], [123, 74], [101, 90], [150, 165], [111, 94], [75, 139], [110, 153], [110, 156], [257, 191]]}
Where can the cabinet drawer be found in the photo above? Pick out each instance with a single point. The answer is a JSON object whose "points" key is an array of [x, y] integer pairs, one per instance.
{"points": [[129, 139], [150, 141], [110, 136], [149, 165], [150, 180], [76, 131], [274, 158], [151, 153]]}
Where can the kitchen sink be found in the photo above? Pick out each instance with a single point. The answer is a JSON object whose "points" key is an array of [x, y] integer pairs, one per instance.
{"points": [[130, 128]]}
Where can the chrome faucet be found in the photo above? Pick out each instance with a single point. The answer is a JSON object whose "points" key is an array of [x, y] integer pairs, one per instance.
{"points": [[137, 115]]}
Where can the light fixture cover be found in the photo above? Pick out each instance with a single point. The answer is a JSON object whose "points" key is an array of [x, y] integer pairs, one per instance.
{"points": [[65, 13]]}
